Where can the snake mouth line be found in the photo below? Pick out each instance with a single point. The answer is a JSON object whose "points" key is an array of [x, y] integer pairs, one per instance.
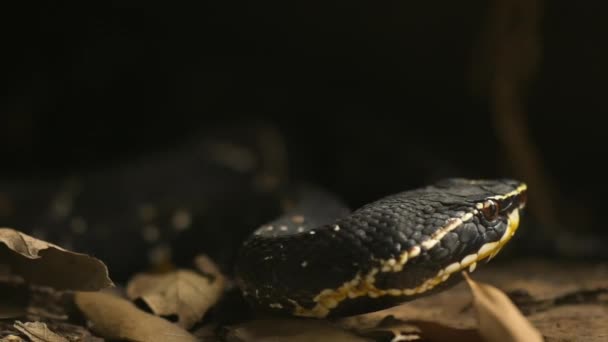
{"points": [[359, 286]]}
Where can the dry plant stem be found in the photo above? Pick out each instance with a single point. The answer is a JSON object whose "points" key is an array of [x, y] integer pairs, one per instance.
{"points": [[515, 49]]}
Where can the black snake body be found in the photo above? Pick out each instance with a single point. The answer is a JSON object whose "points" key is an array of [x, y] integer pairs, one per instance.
{"points": [[317, 260]]}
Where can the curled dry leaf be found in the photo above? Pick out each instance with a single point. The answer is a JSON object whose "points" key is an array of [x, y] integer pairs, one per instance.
{"points": [[499, 319], [46, 264], [118, 319], [184, 293], [38, 332], [290, 330]]}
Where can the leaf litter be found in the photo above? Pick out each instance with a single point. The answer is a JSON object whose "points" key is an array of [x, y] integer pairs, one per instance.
{"points": [[184, 293], [116, 318], [38, 332], [472, 311], [43, 263]]}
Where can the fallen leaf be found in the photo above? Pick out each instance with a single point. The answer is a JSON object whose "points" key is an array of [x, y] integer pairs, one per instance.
{"points": [[11, 338], [498, 318], [184, 293], [69, 331], [38, 332], [46, 264], [118, 319], [290, 330]]}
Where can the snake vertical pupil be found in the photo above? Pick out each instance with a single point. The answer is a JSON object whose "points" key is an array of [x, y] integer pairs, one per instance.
{"points": [[490, 210]]}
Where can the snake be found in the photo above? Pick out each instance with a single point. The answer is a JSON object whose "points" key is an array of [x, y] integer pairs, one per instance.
{"points": [[315, 259], [319, 260]]}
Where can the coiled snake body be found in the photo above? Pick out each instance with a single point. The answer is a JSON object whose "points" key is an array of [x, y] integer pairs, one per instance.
{"points": [[317, 260]]}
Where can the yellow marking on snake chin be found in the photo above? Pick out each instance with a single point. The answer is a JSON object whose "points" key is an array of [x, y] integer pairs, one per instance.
{"points": [[360, 286]]}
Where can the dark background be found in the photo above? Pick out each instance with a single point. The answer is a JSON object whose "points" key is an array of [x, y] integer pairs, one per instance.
{"points": [[370, 98]]}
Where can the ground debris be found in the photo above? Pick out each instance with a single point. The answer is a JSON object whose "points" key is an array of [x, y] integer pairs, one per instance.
{"points": [[563, 302], [118, 319], [38, 332], [182, 292]]}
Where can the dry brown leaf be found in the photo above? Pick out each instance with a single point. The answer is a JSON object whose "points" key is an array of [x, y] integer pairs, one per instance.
{"points": [[118, 319], [499, 319], [290, 330], [11, 338], [184, 293], [46, 264], [38, 332]]}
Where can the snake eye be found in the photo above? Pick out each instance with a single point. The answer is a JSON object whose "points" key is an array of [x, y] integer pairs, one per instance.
{"points": [[490, 210]]}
